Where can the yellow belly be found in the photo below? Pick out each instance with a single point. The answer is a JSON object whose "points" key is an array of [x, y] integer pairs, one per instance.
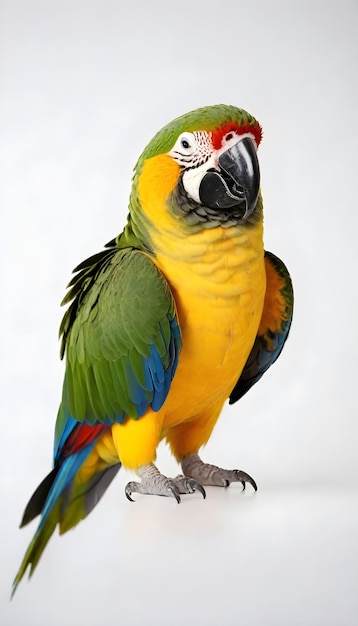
{"points": [[218, 282]]}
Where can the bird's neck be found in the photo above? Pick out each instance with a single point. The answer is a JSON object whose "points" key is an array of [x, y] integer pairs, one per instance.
{"points": [[222, 262]]}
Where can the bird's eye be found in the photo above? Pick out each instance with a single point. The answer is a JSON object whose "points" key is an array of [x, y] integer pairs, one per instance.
{"points": [[185, 145]]}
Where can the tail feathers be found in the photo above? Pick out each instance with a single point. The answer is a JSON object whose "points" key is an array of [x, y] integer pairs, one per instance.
{"points": [[38, 498], [37, 545], [65, 497]]}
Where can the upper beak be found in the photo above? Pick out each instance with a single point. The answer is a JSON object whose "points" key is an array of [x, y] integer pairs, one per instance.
{"points": [[236, 182]]}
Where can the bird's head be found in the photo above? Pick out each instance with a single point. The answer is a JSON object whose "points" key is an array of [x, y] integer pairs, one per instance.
{"points": [[200, 171]]}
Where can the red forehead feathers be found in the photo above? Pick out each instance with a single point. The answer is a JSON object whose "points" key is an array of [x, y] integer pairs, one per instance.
{"points": [[240, 129]]}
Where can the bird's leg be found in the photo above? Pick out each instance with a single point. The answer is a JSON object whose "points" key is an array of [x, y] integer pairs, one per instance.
{"points": [[155, 483], [207, 474]]}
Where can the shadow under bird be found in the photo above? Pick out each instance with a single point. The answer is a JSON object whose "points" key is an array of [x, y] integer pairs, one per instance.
{"points": [[182, 311]]}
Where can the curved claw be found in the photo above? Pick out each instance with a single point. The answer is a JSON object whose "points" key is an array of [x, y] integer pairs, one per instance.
{"points": [[175, 493], [196, 486], [128, 491], [185, 484], [244, 478]]}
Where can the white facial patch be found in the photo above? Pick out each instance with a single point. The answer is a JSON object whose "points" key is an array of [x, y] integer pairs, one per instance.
{"points": [[195, 153]]}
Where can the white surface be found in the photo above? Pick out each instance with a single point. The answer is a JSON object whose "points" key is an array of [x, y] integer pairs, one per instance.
{"points": [[84, 86]]}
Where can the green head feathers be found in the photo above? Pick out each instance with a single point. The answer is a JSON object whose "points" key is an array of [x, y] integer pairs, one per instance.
{"points": [[206, 118]]}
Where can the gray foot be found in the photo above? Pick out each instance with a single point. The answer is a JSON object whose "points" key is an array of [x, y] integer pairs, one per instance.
{"points": [[154, 483], [206, 474]]}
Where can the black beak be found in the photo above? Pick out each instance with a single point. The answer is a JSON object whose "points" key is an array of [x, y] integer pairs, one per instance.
{"points": [[237, 181]]}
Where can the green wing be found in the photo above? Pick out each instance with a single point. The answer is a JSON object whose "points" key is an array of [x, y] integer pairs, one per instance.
{"points": [[121, 338]]}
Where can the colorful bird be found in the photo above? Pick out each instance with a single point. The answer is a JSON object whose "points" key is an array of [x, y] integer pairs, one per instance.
{"points": [[182, 311]]}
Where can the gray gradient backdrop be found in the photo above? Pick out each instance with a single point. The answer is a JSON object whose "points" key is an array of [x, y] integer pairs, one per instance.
{"points": [[84, 86]]}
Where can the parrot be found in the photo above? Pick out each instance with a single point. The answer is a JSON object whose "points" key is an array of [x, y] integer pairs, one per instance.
{"points": [[181, 312]]}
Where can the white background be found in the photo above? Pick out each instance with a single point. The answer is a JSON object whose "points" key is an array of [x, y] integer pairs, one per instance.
{"points": [[84, 86]]}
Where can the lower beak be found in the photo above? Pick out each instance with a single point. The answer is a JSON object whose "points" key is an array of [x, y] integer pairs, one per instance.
{"points": [[237, 181]]}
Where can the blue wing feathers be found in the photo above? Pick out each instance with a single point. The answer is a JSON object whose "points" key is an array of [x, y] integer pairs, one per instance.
{"points": [[70, 424], [67, 472]]}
